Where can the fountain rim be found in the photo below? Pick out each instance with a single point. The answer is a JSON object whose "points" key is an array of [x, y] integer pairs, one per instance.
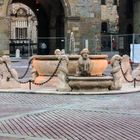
{"points": [[71, 57], [54, 92]]}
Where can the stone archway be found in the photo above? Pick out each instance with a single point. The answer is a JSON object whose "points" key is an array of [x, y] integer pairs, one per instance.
{"points": [[65, 4], [51, 21]]}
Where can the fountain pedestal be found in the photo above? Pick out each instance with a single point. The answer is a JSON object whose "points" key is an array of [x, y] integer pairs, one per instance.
{"points": [[78, 83]]}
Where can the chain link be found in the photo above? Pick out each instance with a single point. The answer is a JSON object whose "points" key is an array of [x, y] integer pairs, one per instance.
{"points": [[39, 84], [31, 81], [29, 63], [21, 82], [134, 79], [129, 81]]}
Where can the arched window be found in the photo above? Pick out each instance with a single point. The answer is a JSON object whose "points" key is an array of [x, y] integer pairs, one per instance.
{"points": [[103, 2], [104, 28]]}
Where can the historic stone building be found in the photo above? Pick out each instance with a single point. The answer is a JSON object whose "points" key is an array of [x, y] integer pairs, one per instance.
{"points": [[56, 19]]}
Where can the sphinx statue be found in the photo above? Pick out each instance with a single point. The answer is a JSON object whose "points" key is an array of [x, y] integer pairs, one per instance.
{"points": [[116, 72], [63, 73], [126, 67], [8, 74]]}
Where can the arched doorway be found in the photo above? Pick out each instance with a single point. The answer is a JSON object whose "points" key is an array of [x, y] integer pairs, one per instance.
{"points": [[51, 25]]}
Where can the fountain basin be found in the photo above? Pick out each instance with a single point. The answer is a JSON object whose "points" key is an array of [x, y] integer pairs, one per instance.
{"points": [[90, 83], [45, 65], [99, 64]]}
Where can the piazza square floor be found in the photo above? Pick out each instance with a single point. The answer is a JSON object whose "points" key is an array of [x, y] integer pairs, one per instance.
{"points": [[38, 116], [69, 117]]}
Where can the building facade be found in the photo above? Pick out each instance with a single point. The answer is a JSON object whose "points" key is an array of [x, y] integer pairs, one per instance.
{"points": [[55, 20]]}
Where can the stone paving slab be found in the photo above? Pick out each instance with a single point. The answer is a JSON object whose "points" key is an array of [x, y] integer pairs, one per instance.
{"points": [[15, 137], [74, 125], [70, 117]]}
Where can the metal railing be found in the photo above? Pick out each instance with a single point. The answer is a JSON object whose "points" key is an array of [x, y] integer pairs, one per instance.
{"points": [[121, 44], [105, 44]]}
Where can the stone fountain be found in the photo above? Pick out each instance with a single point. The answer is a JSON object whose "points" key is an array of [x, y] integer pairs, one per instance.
{"points": [[44, 66], [87, 77], [82, 72], [89, 73]]}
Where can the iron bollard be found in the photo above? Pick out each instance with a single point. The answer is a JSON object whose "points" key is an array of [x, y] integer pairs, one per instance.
{"points": [[134, 82], [30, 84]]}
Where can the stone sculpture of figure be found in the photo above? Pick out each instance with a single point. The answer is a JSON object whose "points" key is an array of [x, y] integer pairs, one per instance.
{"points": [[116, 72], [63, 74], [8, 80], [63, 52], [126, 67], [84, 63], [57, 52]]}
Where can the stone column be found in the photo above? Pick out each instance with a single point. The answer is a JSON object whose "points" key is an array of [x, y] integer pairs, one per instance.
{"points": [[4, 26], [4, 33]]}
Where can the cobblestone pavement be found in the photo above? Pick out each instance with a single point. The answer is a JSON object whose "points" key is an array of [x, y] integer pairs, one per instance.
{"points": [[67, 117]]}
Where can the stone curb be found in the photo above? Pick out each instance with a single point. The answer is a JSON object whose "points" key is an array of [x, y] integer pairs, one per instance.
{"points": [[54, 92]]}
